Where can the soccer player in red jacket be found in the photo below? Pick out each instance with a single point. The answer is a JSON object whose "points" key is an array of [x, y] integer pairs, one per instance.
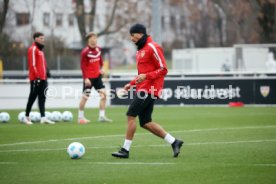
{"points": [[91, 64], [149, 83], [38, 78]]}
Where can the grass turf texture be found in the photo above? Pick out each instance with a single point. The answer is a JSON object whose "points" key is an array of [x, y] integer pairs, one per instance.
{"points": [[222, 145]]}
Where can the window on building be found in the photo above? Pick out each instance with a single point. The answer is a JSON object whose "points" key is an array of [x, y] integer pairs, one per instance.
{"points": [[71, 18], [182, 22], [58, 19], [173, 22], [163, 22], [46, 19], [22, 19]]}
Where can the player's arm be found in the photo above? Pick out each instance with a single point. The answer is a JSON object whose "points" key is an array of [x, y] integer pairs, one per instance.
{"points": [[130, 84], [34, 62], [101, 65], [159, 61], [83, 62], [84, 69]]}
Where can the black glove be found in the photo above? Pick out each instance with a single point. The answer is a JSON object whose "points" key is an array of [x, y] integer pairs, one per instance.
{"points": [[48, 72], [37, 81]]}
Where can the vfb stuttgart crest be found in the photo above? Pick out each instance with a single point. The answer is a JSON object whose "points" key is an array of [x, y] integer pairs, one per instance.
{"points": [[142, 53], [265, 91]]}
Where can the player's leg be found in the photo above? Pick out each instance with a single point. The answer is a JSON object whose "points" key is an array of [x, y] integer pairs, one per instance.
{"points": [[31, 100], [42, 90], [134, 109], [102, 107], [147, 123], [42, 97], [99, 86], [131, 129], [157, 130], [84, 98]]}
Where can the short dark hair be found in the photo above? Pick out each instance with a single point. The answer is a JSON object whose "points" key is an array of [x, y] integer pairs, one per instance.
{"points": [[37, 34]]}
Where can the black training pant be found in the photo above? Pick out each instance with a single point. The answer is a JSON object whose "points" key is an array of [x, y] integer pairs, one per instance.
{"points": [[37, 89]]}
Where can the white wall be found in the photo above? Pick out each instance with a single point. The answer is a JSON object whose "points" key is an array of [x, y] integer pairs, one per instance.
{"points": [[59, 95], [211, 59], [202, 60]]}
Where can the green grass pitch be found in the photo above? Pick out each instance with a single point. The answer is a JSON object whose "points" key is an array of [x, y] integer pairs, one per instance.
{"points": [[222, 145]]}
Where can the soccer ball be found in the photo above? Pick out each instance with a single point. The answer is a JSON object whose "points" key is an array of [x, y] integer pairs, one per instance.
{"points": [[49, 115], [35, 116], [67, 116], [56, 116], [21, 117], [4, 117], [75, 150]]}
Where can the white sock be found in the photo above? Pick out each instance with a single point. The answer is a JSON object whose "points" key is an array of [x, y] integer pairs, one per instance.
{"points": [[81, 114], [102, 113], [127, 144], [43, 118], [169, 138]]}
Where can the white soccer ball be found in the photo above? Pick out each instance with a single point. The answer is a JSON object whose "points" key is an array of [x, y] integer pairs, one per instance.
{"points": [[4, 117], [49, 115], [56, 116], [21, 116], [67, 116], [75, 150], [35, 116]]}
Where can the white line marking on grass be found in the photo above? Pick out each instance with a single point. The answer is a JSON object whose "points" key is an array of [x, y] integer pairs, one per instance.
{"points": [[227, 142], [232, 142], [133, 163], [122, 135], [233, 128], [265, 165], [142, 146], [7, 163], [33, 150], [57, 140]]}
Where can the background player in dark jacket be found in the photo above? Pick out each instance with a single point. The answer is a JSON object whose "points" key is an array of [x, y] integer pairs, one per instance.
{"points": [[38, 78], [91, 64], [149, 83]]}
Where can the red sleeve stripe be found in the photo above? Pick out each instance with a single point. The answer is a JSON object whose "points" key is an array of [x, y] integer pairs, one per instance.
{"points": [[156, 55]]}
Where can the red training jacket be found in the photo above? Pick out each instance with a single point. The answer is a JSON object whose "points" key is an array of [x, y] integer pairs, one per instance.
{"points": [[150, 60], [37, 63], [91, 62]]}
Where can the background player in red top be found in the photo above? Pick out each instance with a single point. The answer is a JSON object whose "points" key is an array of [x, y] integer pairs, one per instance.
{"points": [[38, 78], [152, 69], [91, 64]]}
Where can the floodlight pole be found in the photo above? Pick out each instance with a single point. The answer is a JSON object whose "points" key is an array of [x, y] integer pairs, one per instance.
{"points": [[156, 21]]}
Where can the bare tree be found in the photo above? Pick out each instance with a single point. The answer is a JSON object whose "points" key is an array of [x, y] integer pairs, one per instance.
{"points": [[3, 14], [242, 19], [106, 30], [81, 16], [267, 20]]}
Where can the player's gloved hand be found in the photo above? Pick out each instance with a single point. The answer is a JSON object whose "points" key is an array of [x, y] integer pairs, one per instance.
{"points": [[127, 87], [48, 73], [140, 78], [37, 81]]}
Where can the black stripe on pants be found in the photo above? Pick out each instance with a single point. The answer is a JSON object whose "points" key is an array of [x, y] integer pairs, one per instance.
{"points": [[37, 89]]}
